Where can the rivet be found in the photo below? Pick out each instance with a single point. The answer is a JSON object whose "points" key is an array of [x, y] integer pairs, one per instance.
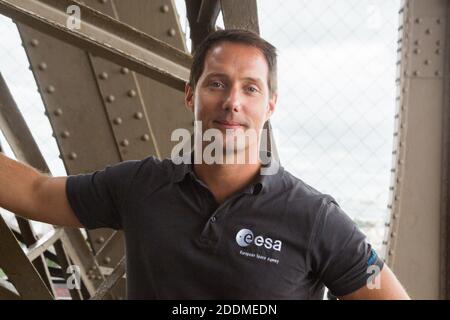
{"points": [[124, 143], [391, 252], [171, 32], [42, 66], [398, 180], [426, 62], [387, 224], [394, 152], [404, 90], [107, 260], [117, 120], [416, 51], [65, 134], [400, 161], [110, 98], [416, 42], [416, 73], [34, 42], [393, 234], [138, 115], [100, 240], [438, 21], [428, 31], [391, 188], [164, 8], [124, 70], [389, 206], [132, 93], [437, 73], [72, 156], [385, 242], [406, 55], [418, 20], [396, 198], [145, 137], [438, 43], [103, 76], [58, 112], [401, 143], [438, 51], [402, 125], [395, 216], [50, 89]]}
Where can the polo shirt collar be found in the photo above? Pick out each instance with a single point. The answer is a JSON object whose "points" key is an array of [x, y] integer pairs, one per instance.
{"points": [[261, 184]]}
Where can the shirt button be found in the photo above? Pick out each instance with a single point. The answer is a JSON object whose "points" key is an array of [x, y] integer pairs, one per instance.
{"points": [[213, 219]]}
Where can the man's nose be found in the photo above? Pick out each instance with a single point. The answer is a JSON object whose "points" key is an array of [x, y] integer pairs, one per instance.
{"points": [[234, 100]]}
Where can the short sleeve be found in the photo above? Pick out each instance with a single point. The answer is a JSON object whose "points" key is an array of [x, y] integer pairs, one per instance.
{"points": [[339, 253], [97, 197]]}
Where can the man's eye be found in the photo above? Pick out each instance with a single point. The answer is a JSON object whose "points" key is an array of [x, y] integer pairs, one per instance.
{"points": [[252, 89], [216, 84]]}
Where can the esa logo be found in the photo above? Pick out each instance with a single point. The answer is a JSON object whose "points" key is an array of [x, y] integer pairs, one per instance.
{"points": [[245, 237]]}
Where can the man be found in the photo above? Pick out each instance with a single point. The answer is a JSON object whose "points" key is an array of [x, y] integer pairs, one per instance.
{"points": [[215, 230]]}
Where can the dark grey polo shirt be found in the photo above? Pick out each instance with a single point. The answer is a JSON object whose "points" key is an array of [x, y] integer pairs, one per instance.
{"points": [[278, 238]]}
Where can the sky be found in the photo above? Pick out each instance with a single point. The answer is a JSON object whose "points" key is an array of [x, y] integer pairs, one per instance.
{"points": [[335, 113]]}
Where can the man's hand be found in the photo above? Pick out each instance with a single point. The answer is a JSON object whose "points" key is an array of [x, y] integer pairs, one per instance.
{"points": [[389, 289]]}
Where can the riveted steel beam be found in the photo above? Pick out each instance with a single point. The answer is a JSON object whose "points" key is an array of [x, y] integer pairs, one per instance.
{"points": [[25, 148], [111, 281], [105, 37], [416, 240]]}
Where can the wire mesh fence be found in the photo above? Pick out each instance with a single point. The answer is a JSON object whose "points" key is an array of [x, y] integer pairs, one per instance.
{"points": [[335, 117], [335, 114]]}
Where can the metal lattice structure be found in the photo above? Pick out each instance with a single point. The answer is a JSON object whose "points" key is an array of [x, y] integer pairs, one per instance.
{"points": [[113, 91], [102, 112]]}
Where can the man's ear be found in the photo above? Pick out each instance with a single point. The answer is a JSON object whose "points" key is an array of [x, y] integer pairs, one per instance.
{"points": [[189, 97], [272, 105]]}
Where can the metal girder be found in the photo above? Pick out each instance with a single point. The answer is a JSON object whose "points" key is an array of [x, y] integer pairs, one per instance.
{"points": [[42, 245], [106, 104], [108, 285], [238, 14], [105, 37], [202, 16], [19, 269], [25, 148], [417, 238], [7, 291]]}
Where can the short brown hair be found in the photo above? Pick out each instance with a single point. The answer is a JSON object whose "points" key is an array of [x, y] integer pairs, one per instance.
{"points": [[236, 36]]}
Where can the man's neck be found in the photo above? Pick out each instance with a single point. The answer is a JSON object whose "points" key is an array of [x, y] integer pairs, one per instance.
{"points": [[224, 180]]}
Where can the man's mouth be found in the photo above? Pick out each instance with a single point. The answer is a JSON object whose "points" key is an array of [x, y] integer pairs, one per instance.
{"points": [[228, 124]]}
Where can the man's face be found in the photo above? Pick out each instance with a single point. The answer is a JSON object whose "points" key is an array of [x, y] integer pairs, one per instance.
{"points": [[232, 92]]}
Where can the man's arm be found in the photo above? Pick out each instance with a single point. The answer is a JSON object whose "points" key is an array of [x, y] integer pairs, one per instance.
{"points": [[389, 288], [32, 195]]}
